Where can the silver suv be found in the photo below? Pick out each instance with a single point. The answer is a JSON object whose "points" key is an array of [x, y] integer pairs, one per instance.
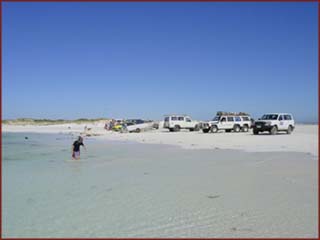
{"points": [[274, 122], [228, 122], [176, 122]]}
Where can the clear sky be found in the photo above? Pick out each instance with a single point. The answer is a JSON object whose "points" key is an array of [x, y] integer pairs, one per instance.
{"points": [[144, 60]]}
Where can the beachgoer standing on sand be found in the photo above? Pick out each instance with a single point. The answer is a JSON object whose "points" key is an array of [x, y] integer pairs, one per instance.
{"points": [[76, 148]]}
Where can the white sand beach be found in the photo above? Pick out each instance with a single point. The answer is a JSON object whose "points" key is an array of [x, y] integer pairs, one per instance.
{"points": [[303, 139]]}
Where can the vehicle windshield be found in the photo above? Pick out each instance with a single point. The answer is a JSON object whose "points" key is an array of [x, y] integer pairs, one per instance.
{"points": [[217, 118], [270, 117]]}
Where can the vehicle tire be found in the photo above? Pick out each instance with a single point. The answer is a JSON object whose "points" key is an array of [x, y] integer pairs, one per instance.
{"points": [[255, 132], [274, 130], [176, 128], [290, 129], [214, 129], [138, 130], [205, 130], [236, 128], [245, 128]]}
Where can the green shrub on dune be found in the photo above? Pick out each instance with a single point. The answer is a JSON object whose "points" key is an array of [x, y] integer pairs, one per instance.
{"points": [[31, 121]]}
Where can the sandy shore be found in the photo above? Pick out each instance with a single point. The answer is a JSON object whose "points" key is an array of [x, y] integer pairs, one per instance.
{"points": [[303, 139]]}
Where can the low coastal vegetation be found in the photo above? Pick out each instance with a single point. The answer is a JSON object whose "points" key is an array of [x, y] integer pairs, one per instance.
{"points": [[31, 121]]}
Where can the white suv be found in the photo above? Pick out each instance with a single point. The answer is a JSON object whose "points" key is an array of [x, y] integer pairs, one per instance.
{"points": [[274, 122], [228, 123], [176, 122]]}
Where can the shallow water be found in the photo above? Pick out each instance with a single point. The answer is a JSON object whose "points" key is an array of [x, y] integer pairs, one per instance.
{"points": [[124, 189]]}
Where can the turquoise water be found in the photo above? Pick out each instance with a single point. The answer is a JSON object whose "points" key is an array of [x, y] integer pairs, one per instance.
{"points": [[124, 189], [43, 188], [37, 147], [42, 147]]}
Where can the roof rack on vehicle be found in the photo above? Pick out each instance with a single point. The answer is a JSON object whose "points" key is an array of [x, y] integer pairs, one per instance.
{"points": [[220, 113]]}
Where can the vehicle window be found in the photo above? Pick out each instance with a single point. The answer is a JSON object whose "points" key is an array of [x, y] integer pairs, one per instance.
{"points": [[180, 118], [270, 117], [217, 118], [139, 121], [245, 118], [166, 119], [188, 119], [230, 119], [287, 117], [174, 118], [280, 118], [237, 119], [223, 119]]}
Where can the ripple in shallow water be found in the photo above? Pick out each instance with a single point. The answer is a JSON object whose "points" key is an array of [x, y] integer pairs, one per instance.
{"points": [[213, 196]]}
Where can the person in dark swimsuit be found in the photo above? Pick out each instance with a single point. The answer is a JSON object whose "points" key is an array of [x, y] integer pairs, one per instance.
{"points": [[76, 148]]}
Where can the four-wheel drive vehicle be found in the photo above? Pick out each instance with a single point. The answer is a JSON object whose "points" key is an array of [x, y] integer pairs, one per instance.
{"points": [[274, 122], [176, 122], [137, 125], [228, 122], [117, 127]]}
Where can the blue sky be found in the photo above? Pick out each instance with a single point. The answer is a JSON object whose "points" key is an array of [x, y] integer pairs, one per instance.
{"points": [[144, 60]]}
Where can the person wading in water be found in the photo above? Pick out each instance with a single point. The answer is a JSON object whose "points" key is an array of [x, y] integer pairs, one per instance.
{"points": [[76, 148]]}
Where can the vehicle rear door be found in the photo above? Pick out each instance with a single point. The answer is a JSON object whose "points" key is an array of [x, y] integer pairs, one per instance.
{"points": [[282, 122], [173, 121], [238, 120], [188, 122], [230, 122], [181, 122]]}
